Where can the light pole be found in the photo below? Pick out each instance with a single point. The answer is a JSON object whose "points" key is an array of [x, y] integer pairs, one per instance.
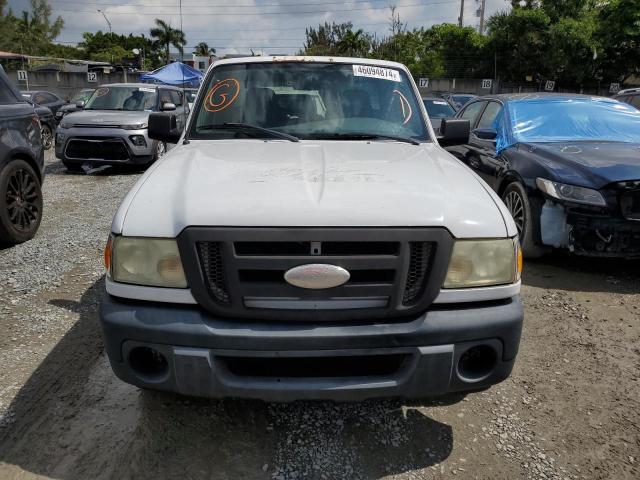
{"points": [[110, 32], [108, 23]]}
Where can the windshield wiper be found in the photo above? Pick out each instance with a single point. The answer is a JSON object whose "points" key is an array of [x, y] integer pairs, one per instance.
{"points": [[248, 128], [362, 136]]}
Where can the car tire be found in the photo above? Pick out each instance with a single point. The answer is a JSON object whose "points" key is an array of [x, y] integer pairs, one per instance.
{"points": [[72, 167], [47, 136], [20, 202], [160, 150], [517, 201]]}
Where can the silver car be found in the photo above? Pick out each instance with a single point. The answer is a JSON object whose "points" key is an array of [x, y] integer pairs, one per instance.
{"points": [[111, 129]]}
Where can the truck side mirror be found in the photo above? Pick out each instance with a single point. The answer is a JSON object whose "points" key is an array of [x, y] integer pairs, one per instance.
{"points": [[454, 131], [80, 104], [164, 127], [168, 107]]}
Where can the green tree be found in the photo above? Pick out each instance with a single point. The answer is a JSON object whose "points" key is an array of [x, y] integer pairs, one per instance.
{"points": [[34, 32], [572, 57], [520, 41], [618, 32], [8, 27], [103, 46], [324, 39], [204, 50], [461, 49], [167, 36], [353, 44]]}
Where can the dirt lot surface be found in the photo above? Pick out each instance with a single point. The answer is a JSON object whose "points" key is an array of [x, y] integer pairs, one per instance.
{"points": [[570, 410]]}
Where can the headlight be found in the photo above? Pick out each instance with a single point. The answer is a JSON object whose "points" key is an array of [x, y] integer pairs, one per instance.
{"points": [[482, 263], [145, 261], [571, 193], [138, 126], [63, 124]]}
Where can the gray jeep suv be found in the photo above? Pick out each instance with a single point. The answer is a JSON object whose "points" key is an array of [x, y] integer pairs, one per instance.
{"points": [[111, 129]]}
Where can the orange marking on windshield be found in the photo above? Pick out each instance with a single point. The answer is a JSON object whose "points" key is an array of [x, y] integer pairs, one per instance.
{"points": [[230, 89], [407, 111]]}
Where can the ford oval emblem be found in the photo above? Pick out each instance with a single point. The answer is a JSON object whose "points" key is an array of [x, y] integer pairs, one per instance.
{"points": [[317, 276]]}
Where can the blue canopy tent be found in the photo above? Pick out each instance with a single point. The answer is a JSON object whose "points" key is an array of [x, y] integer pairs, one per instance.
{"points": [[175, 73]]}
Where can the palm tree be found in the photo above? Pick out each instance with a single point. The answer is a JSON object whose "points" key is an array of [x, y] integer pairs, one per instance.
{"points": [[204, 50], [167, 36], [353, 43]]}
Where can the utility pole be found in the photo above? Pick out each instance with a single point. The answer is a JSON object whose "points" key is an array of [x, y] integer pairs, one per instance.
{"points": [[461, 17], [482, 17]]}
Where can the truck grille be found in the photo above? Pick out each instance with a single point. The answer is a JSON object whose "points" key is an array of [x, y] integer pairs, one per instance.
{"points": [[213, 268], [630, 205], [239, 272], [419, 262], [112, 149]]}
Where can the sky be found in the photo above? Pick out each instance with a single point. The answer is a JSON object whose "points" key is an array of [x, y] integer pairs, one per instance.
{"points": [[264, 26]]}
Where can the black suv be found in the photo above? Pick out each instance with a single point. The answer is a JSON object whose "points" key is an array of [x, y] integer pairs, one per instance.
{"points": [[21, 166]]}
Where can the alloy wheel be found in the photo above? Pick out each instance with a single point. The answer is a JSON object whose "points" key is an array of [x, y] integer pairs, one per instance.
{"points": [[22, 200], [47, 137], [515, 205]]}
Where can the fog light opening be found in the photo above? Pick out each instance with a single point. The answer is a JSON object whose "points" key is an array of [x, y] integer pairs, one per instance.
{"points": [[477, 363], [148, 363]]}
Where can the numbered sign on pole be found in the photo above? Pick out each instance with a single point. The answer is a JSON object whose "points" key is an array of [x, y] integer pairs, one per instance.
{"points": [[486, 83], [550, 85], [614, 88], [92, 77], [423, 83], [22, 75]]}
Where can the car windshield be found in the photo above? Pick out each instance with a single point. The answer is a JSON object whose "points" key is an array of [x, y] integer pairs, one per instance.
{"points": [[82, 96], [309, 100], [124, 98], [561, 119], [461, 99], [438, 108]]}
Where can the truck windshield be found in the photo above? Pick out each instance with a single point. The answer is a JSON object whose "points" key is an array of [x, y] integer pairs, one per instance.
{"points": [[309, 100], [123, 98]]}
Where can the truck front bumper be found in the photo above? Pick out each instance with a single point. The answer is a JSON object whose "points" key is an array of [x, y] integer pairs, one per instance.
{"points": [[451, 348]]}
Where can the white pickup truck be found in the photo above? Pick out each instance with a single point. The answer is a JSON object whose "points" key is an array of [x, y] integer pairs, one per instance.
{"points": [[309, 238]]}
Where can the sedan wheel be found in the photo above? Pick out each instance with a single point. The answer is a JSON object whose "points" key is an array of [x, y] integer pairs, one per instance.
{"points": [[517, 202], [514, 203]]}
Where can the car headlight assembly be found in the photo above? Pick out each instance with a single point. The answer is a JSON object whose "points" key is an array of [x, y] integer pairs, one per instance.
{"points": [[137, 126], [153, 262], [484, 263], [571, 193]]}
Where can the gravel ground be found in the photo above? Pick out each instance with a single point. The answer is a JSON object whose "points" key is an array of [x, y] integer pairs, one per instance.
{"points": [[571, 409]]}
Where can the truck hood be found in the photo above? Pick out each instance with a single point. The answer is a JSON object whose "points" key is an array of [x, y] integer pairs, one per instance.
{"points": [[105, 117], [590, 164], [324, 183]]}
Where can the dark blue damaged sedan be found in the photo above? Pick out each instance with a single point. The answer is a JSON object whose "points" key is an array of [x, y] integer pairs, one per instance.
{"points": [[566, 166]]}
